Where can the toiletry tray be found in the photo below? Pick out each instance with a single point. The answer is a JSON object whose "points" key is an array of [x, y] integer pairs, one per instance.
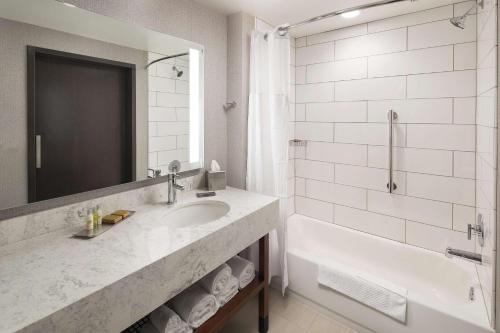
{"points": [[87, 234]]}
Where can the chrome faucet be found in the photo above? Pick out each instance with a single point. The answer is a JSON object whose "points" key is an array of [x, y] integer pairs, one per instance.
{"points": [[173, 167], [477, 229], [155, 173], [475, 258]]}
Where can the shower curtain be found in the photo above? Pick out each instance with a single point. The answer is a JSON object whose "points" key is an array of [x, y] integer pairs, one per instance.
{"points": [[267, 159]]}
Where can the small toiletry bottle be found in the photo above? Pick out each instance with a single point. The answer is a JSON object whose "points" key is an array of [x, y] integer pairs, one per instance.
{"points": [[89, 221], [95, 217], [99, 215]]}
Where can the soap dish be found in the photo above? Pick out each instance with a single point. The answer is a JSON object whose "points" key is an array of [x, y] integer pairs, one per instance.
{"points": [[87, 234], [122, 214]]}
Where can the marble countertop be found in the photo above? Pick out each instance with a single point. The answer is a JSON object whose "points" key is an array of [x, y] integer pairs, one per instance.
{"points": [[55, 283]]}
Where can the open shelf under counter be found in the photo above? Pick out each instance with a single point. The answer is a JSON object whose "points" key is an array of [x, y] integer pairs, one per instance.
{"points": [[228, 310]]}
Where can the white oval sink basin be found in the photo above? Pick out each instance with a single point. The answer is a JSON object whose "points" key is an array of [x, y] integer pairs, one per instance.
{"points": [[196, 213]]}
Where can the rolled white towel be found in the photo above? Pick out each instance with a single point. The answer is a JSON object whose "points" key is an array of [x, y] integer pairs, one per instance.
{"points": [[216, 281], [242, 269], [165, 320], [194, 305], [229, 291]]}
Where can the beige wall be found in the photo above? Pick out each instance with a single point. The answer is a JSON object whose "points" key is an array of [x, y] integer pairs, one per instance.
{"points": [[13, 102], [240, 27], [189, 20]]}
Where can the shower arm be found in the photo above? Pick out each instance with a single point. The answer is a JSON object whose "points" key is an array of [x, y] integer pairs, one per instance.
{"points": [[283, 29], [479, 3], [167, 57]]}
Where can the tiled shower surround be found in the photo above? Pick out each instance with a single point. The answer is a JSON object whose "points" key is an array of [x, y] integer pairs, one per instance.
{"points": [[424, 69], [346, 82]]}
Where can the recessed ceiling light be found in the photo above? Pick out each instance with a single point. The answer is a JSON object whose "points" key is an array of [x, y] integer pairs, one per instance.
{"points": [[350, 14], [66, 4]]}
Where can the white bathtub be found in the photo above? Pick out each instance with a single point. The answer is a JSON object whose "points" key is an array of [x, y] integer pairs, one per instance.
{"points": [[438, 287]]}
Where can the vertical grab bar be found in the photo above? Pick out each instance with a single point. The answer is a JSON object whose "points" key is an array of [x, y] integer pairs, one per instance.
{"points": [[391, 185]]}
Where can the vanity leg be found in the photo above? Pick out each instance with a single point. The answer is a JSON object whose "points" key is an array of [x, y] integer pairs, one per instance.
{"points": [[264, 276]]}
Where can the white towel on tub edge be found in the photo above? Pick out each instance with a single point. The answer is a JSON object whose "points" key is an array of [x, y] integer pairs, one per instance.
{"points": [[389, 300]]}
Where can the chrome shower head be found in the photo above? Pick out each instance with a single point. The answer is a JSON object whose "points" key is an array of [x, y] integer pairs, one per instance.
{"points": [[283, 30], [179, 73], [458, 21]]}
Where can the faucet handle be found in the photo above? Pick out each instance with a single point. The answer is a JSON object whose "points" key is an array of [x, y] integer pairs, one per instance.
{"points": [[155, 173], [470, 228], [477, 229], [174, 166]]}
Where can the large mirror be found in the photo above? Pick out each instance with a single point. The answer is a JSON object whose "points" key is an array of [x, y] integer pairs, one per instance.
{"points": [[88, 102]]}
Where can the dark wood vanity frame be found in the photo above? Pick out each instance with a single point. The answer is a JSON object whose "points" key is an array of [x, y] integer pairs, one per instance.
{"points": [[260, 285]]}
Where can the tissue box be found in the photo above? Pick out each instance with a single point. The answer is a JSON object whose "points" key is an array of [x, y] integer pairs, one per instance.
{"points": [[216, 180]]}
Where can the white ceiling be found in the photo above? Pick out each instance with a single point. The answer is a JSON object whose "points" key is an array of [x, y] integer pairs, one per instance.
{"points": [[277, 12]]}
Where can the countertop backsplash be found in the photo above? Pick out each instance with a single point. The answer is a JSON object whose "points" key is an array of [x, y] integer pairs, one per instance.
{"points": [[33, 225]]}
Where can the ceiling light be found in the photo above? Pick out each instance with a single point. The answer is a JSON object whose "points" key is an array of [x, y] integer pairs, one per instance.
{"points": [[66, 4], [350, 14]]}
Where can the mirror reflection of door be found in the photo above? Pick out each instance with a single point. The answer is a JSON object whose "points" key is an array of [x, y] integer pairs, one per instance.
{"points": [[81, 114]]}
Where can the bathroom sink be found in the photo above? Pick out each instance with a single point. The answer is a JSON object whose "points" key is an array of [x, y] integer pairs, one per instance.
{"points": [[196, 213]]}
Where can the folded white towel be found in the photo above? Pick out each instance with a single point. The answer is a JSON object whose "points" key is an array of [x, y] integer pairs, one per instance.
{"points": [[167, 321], [386, 298], [242, 269], [216, 281], [194, 305], [230, 290]]}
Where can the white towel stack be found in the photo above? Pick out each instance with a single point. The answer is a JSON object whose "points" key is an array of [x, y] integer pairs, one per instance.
{"points": [[194, 305], [230, 290], [167, 321], [216, 281], [243, 270]]}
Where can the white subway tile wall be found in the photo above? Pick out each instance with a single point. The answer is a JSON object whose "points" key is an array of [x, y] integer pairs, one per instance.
{"points": [[486, 148], [168, 112], [424, 69]]}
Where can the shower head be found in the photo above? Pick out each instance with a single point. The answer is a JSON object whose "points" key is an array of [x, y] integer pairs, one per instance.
{"points": [[459, 21], [283, 30], [179, 73]]}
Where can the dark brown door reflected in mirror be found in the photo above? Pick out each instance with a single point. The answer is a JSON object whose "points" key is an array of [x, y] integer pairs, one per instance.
{"points": [[81, 114]]}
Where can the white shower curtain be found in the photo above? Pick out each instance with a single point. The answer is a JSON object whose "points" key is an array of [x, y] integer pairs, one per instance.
{"points": [[267, 159]]}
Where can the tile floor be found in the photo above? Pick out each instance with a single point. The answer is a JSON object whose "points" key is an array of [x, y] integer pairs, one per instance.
{"points": [[287, 315]]}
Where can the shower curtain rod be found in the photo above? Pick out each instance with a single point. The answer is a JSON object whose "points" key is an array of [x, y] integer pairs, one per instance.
{"points": [[283, 29], [167, 57]]}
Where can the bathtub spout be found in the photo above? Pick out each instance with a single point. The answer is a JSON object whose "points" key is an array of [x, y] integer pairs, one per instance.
{"points": [[466, 255]]}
